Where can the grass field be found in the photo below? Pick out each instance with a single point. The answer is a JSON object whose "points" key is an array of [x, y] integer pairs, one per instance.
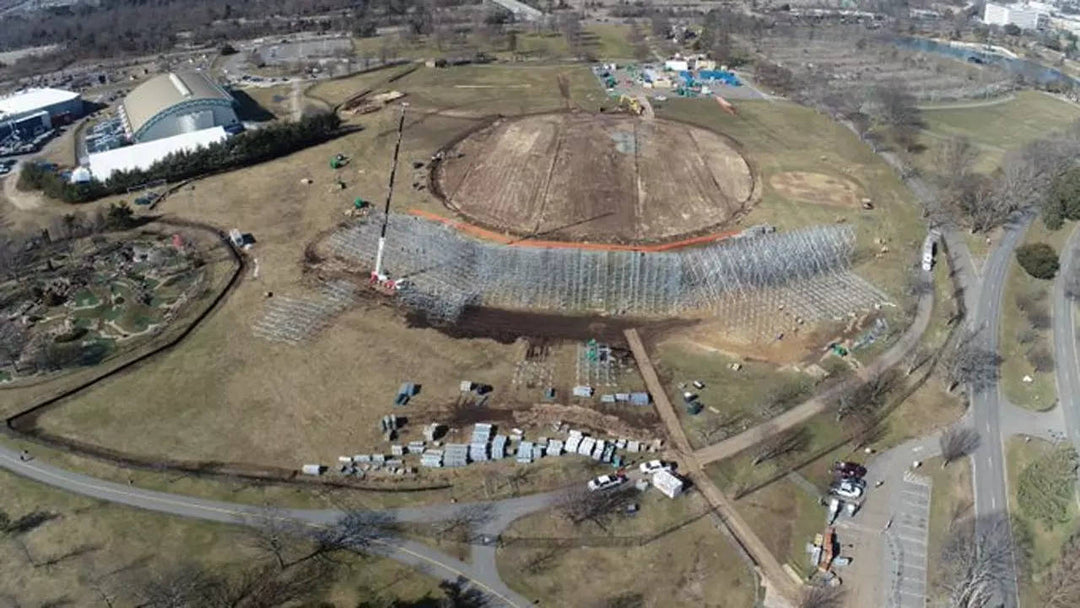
{"points": [[951, 499], [89, 553], [1024, 331], [692, 566], [786, 517], [1000, 127], [241, 399], [1046, 540]]}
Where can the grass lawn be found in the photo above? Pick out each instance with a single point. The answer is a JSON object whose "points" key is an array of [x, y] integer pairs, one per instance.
{"points": [[785, 517], [951, 498], [337, 90], [1024, 332], [998, 128], [736, 395], [692, 566], [91, 547], [737, 474], [1046, 540]]}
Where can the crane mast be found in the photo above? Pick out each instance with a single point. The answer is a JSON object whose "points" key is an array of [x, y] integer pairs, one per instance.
{"points": [[377, 274]]}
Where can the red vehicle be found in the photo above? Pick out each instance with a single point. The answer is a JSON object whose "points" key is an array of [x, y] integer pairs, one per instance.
{"points": [[848, 470]]}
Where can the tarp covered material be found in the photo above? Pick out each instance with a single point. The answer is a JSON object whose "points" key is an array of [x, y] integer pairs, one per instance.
{"points": [[142, 156], [728, 78]]}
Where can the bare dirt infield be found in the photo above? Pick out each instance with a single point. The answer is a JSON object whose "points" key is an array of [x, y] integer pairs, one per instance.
{"points": [[596, 177], [817, 188]]}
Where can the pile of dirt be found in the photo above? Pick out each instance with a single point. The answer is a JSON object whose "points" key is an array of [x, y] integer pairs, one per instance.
{"points": [[602, 178], [545, 415]]}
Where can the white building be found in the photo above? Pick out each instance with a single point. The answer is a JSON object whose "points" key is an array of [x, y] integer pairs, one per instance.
{"points": [[33, 109], [142, 156], [1023, 16], [668, 483]]}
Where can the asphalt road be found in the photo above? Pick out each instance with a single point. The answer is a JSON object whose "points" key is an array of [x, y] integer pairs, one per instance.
{"points": [[481, 572], [988, 460], [1065, 354]]}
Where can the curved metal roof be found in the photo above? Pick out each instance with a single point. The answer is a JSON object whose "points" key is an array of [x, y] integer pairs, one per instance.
{"points": [[164, 91]]}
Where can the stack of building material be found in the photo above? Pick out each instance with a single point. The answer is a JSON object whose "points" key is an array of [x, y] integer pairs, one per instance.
{"points": [[432, 431], [397, 450], [585, 448], [432, 458], [498, 447], [478, 452], [525, 452], [456, 455], [554, 447], [538, 451], [598, 450], [573, 441], [641, 398], [416, 447]]}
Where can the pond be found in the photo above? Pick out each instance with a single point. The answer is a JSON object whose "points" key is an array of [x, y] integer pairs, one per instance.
{"points": [[1030, 71]]}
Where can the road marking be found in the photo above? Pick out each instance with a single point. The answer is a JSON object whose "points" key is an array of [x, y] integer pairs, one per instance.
{"points": [[993, 502]]}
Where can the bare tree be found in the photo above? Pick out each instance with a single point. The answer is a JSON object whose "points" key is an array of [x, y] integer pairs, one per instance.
{"points": [[954, 159], [277, 536], [579, 505], [976, 561], [956, 442], [973, 364], [822, 597], [783, 442], [1061, 587], [464, 522]]}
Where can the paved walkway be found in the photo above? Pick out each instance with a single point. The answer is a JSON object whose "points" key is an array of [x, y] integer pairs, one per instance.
{"points": [[776, 577], [817, 404]]}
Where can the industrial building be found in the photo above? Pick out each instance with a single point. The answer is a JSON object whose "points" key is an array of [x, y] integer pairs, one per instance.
{"points": [[1023, 16], [175, 104], [34, 111], [142, 156]]}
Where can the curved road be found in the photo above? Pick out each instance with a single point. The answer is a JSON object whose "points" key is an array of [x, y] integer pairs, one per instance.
{"points": [[481, 572]]}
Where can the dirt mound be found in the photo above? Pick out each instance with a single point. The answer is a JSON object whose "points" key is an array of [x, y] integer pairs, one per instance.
{"points": [[596, 177], [604, 425], [817, 188]]}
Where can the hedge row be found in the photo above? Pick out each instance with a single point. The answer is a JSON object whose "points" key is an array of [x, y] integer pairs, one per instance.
{"points": [[247, 148]]}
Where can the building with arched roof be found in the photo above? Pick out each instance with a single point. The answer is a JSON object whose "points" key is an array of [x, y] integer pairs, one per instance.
{"points": [[174, 104]]}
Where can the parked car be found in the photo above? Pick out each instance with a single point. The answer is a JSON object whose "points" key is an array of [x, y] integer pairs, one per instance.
{"points": [[654, 466], [848, 489], [605, 482], [848, 470]]}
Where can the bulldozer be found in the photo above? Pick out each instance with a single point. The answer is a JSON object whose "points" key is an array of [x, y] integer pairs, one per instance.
{"points": [[631, 104]]}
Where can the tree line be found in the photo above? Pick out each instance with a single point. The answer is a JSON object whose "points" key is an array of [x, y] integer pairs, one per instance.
{"points": [[244, 149]]}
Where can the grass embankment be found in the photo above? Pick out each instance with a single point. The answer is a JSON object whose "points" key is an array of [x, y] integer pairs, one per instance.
{"points": [[1027, 342], [951, 499], [1045, 539], [997, 128], [691, 565], [91, 553]]}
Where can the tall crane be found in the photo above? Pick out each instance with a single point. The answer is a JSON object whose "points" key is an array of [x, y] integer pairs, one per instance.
{"points": [[377, 275]]}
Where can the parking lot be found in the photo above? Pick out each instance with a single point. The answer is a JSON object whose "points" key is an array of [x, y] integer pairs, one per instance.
{"points": [[905, 543]]}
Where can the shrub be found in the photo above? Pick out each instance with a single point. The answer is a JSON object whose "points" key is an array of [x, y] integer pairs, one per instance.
{"points": [[1046, 486], [1038, 260]]}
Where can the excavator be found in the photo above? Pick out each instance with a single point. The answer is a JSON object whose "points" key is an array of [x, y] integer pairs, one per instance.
{"points": [[631, 104]]}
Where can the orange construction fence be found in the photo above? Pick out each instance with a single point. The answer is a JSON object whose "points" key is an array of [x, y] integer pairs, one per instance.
{"points": [[490, 235]]}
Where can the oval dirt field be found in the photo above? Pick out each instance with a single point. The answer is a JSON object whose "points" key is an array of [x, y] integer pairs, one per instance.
{"points": [[596, 177]]}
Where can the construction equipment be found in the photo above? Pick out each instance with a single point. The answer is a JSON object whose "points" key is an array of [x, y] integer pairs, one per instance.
{"points": [[631, 104], [377, 276]]}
